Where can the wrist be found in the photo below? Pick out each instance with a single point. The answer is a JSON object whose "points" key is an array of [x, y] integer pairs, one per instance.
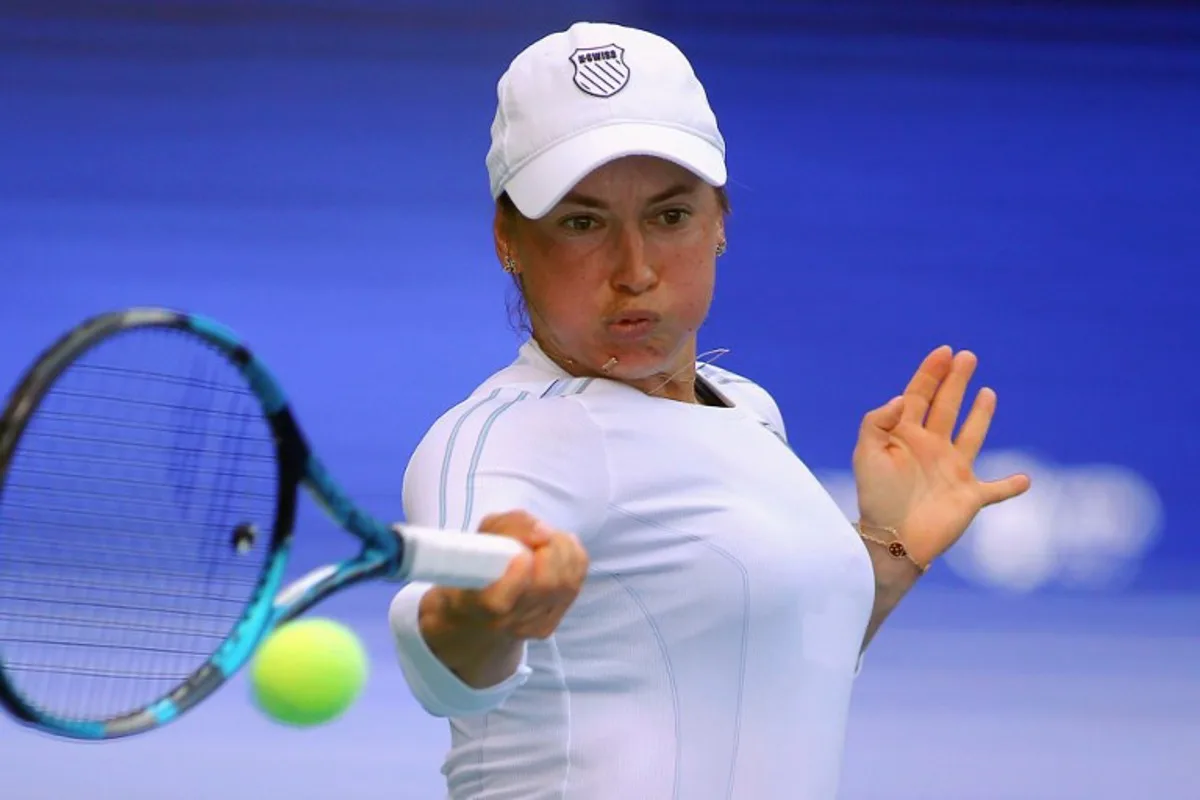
{"points": [[478, 655], [888, 540]]}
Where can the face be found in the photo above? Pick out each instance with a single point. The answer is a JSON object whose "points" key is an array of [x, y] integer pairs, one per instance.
{"points": [[622, 267]]}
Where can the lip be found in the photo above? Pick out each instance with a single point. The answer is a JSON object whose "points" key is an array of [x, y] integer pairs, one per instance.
{"points": [[633, 316], [632, 325]]}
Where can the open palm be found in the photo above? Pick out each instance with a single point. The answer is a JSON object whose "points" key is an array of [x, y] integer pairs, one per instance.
{"points": [[913, 474]]}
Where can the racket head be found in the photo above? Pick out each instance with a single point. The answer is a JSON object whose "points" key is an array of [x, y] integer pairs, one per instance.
{"points": [[128, 588]]}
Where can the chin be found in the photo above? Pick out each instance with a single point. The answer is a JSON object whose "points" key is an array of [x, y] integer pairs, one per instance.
{"points": [[636, 364], [632, 372]]}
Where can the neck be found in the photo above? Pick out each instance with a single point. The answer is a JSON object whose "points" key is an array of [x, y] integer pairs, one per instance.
{"points": [[680, 386], [677, 382]]}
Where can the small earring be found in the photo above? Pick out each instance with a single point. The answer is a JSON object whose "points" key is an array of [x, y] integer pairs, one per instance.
{"points": [[721, 248], [510, 265]]}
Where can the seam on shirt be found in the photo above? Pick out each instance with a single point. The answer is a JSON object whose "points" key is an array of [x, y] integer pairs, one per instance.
{"points": [[756, 397], [479, 770], [553, 389], [716, 374], [478, 453], [601, 512], [767, 424], [562, 674], [721, 376], [446, 457], [666, 657], [737, 727]]}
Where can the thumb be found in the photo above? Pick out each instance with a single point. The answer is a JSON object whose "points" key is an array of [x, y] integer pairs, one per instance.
{"points": [[1004, 489]]}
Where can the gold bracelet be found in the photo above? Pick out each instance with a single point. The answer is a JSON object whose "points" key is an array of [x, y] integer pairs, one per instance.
{"points": [[895, 547]]}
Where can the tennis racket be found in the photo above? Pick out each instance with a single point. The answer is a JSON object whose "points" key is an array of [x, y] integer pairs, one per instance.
{"points": [[149, 475]]}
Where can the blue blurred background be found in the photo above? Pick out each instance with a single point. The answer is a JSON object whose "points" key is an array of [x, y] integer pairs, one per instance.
{"points": [[1022, 180]]}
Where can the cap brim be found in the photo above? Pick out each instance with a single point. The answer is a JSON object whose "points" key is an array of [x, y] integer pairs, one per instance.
{"points": [[539, 185]]}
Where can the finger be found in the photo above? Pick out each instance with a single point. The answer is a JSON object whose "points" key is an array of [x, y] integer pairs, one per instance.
{"points": [[974, 430], [558, 571], [924, 383], [575, 560], [1005, 488], [558, 574], [947, 401], [501, 597], [519, 525], [537, 624], [565, 558], [542, 629], [533, 611], [546, 608], [878, 423]]}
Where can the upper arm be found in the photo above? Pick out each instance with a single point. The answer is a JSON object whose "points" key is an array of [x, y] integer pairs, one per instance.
{"points": [[509, 451]]}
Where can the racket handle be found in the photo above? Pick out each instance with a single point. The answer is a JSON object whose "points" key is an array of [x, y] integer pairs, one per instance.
{"points": [[455, 559]]}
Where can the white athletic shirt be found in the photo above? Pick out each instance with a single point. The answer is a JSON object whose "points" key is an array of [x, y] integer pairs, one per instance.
{"points": [[712, 650]]}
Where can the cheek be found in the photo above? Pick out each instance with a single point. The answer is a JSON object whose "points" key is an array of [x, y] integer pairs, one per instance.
{"points": [[566, 300], [692, 288], [569, 279]]}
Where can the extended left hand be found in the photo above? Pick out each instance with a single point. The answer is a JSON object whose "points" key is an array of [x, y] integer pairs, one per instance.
{"points": [[913, 474]]}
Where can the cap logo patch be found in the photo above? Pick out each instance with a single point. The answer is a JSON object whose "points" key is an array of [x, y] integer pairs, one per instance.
{"points": [[600, 71]]}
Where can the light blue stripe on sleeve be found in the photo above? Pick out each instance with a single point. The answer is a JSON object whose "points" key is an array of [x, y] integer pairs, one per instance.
{"points": [[475, 456], [450, 452]]}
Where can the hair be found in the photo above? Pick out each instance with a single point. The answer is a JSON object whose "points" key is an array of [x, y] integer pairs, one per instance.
{"points": [[518, 311], [510, 208]]}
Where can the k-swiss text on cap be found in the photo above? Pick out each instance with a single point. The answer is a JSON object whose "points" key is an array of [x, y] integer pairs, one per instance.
{"points": [[600, 71]]}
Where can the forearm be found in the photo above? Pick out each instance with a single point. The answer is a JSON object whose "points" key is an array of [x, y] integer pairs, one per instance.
{"points": [[894, 577], [479, 657]]}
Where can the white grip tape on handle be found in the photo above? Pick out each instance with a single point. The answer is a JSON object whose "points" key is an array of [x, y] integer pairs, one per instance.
{"points": [[455, 559]]}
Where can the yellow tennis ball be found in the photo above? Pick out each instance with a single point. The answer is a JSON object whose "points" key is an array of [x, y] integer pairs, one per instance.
{"points": [[308, 672]]}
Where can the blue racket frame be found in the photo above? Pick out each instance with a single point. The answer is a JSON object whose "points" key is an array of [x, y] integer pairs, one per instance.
{"points": [[272, 604]]}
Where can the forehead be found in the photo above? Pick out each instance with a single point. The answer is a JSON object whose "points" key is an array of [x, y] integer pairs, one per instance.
{"points": [[638, 175]]}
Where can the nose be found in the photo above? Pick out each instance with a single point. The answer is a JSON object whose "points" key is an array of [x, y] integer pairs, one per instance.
{"points": [[633, 273]]}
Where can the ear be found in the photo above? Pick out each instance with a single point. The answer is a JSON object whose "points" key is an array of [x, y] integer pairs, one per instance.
{"points": [[502, 234]]}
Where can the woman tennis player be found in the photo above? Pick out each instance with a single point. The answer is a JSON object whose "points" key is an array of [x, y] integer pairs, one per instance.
{"points": [[692, 615]]}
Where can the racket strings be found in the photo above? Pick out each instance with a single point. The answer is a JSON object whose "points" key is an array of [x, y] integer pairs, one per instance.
{"points": [[105, 623], [149, 428], [119, 572], [96, 397]]}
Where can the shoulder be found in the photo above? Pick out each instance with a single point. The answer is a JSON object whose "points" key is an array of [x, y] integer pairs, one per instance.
{"points": [[746, 393], [537, 405], [529, 445], [522, 422]]}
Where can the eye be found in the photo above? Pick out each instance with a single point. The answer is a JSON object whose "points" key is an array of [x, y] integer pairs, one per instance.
{"points": [[674, 216], [579, 223]]}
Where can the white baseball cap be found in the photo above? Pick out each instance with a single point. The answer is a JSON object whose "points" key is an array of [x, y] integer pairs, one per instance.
{"points": [[580, 98]]}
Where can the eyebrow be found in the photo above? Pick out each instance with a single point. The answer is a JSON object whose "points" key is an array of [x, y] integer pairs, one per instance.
{"points": [[575, 198]]}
